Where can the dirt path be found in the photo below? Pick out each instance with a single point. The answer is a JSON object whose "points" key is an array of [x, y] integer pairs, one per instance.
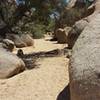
{"points": [[43, 83]]}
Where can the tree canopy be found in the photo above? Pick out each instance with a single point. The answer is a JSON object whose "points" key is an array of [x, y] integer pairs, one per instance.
{"points": [[18, 15]]}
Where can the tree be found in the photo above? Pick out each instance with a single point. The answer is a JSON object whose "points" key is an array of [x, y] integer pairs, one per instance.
{"points": [[16, 15]]}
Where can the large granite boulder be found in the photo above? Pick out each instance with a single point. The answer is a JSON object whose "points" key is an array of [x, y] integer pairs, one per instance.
{"points": [[26, 38], [84, 69], [16, 39], [10, 64], [20, 41], [74, 33], [61, 34]]}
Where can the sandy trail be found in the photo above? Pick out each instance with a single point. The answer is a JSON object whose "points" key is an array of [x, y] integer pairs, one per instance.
{"points": [[43, 83], [42, 45]]}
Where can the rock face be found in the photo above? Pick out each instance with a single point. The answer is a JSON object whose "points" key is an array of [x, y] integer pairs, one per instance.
{"points": [[8, 44], [27, 39], [10, 64], [21, 41], [84, 69], [16, 39], [61, 35], [75, 32]]}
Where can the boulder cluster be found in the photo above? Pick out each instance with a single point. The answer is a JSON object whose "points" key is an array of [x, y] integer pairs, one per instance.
{"points": [[84, 39]]}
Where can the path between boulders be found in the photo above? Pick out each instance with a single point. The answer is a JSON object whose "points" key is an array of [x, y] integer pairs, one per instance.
{"points": [[43, 83]]}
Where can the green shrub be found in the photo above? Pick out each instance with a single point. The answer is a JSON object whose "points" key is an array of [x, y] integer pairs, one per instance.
{"points": [[72, 15]]}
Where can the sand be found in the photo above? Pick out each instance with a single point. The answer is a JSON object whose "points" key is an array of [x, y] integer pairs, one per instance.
{"points": [[43, 83]]}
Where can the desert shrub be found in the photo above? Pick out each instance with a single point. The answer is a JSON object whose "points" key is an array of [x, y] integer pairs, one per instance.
{"points": [[72, 15], [38, 31]]}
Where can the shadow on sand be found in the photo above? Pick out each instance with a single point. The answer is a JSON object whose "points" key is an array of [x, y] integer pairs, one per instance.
{"points": [[64, 94]]}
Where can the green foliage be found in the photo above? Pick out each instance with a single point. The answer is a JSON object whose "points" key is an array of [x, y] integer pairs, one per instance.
{"points": [[38, 31], [33, 17], [51, 25], [6, 12], [70, 16]]}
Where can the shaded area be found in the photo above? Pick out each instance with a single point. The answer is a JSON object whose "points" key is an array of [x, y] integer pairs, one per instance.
{"points": [[64, 94], [53, 53], [30, 59]]}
